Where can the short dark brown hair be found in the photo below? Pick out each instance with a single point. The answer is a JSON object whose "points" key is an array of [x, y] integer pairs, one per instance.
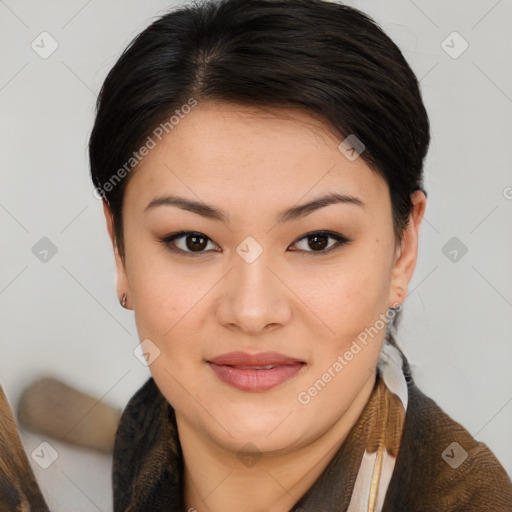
{"points": [[327, 59]]}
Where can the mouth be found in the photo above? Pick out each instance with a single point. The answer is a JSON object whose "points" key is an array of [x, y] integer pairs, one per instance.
{"points": [[255, 372]]}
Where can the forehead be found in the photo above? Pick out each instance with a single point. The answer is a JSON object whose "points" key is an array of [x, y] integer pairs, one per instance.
{"points": [[238, 153]]}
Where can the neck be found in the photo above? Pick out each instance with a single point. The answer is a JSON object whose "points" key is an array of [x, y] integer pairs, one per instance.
{"points": [[217, 480]]}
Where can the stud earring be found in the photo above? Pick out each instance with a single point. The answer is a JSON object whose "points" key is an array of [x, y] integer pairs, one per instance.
{"points": [[123, 300]]}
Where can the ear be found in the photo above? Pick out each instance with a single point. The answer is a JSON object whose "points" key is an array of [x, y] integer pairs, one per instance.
{"points": [[122, 285], [407, 252]]}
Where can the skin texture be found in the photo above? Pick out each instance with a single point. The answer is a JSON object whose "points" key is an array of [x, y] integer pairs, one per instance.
{"points": [[304, 303]]}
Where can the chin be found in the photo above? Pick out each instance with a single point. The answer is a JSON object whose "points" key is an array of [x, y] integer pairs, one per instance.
{"points": [[247, 439], [268, 430]]}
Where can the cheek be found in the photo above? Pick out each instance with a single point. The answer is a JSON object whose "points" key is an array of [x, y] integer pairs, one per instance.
{"points": [[348, 297], [160, 294], [336, 300], [163, 303]]}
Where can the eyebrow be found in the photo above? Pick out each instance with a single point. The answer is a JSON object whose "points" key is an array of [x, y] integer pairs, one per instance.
{"points": [[293, 213]]}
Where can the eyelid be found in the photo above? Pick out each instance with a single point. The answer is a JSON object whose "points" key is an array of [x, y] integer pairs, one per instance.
{"points": [[339, 238], [167, 240]]}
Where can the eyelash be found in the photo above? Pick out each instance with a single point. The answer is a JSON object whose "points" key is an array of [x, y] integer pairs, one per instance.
{"points": [[340, 241]]}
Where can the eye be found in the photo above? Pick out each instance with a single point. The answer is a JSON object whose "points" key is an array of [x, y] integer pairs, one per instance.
{"points": [[319, 241], [194, 242]]}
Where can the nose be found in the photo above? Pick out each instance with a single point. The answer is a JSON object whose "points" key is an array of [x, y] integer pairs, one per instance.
{"points": [[254, 299]]}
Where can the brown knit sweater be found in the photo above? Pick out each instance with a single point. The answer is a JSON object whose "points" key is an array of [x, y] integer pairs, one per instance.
{"points": [[430, 473]]}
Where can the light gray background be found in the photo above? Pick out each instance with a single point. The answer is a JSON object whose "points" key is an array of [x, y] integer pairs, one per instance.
{"points": [[62, 317]]}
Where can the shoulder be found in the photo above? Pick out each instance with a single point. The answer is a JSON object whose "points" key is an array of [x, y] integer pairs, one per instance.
{"points": [[136, 420], [440, 466], [143, 436]]}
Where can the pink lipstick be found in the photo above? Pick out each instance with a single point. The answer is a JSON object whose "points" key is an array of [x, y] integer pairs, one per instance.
{"points": [[255, 372]]}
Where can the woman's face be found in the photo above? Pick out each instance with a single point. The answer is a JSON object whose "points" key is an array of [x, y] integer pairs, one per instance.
{"points": [[261, 329]]}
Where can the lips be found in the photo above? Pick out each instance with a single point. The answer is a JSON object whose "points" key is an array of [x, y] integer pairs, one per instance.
{"points": [[255, 372]]}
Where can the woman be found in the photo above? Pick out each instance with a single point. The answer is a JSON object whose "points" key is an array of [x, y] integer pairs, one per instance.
{"points": [[260, 166]]}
